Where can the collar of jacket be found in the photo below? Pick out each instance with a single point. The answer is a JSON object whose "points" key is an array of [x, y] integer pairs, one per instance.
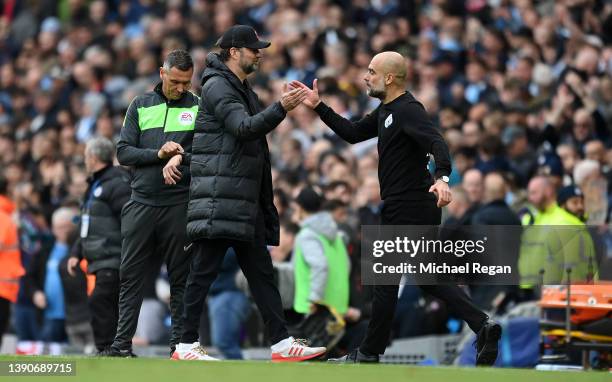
{"points": [[215, 67], [99, 174]]}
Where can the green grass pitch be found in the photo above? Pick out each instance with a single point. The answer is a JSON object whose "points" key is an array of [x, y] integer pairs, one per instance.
{"points": [[149, 370]]}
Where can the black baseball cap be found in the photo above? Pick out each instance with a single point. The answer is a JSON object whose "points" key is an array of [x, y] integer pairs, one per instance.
{"points": [[241, 36]]}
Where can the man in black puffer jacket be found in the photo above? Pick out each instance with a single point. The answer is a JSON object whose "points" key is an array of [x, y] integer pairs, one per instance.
{"points": [[99, 239], [230, 201]]}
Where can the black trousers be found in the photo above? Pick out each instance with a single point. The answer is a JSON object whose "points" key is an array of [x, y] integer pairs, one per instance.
{"points": [[417, 212], [5, 315], [148, 234], [256, 265], [104, 307]]}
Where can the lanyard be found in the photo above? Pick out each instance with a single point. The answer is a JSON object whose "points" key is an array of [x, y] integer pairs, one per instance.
{"points": [[90, 195]]}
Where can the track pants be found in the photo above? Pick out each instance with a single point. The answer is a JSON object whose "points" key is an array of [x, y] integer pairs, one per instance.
{"points": [[148, 234], [256, 264], [417, 212]]}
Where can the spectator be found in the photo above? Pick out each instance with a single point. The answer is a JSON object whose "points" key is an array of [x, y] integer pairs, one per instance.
{"points": [[320, 259], [522, 159], [473, 186], [35, 239], [588, 176], [459, 207], [506, 239], [571, 199], [546, 249], [10, 259], [43, 279], [494, 210]]}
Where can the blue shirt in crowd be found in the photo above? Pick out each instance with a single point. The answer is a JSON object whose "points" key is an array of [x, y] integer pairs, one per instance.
{"points": [[53, 283]]}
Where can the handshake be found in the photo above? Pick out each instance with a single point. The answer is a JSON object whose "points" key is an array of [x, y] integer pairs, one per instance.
{"points": [[296, 93]]}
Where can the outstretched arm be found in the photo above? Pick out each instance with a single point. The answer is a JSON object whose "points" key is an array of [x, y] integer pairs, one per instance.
{"points": [[228, 108], [352, 132]]}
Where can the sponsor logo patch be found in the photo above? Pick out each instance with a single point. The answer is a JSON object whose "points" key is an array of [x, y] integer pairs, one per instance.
{"points": [[186, 118]]}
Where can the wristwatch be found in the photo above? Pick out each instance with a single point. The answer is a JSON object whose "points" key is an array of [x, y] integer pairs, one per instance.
{"points": [[444, 178]]}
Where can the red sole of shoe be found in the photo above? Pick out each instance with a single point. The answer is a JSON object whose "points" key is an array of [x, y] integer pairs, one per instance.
{"points": [[276, 358]]}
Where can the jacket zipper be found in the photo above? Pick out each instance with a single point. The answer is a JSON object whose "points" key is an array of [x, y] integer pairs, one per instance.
{"points": [[165, 117]]}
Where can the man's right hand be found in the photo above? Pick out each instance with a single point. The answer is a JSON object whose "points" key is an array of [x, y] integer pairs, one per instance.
{"points": [[39, 299], [312, 99], [169, 149], [71, 265], [290, 99]]}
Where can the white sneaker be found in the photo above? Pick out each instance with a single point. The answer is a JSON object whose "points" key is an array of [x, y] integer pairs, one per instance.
{"points": [[191, 352], [295, 350]]}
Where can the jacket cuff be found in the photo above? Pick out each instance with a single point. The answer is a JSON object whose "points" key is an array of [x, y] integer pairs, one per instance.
{"points": [[153, 156], [280, 109], [440, 172], [321, 108]]}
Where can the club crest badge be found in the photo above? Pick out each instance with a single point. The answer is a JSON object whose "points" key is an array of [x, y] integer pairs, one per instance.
{"points": [[388, 121]]}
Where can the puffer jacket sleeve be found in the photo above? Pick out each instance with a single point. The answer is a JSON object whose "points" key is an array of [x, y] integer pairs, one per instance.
{"points": [[230, 110]]}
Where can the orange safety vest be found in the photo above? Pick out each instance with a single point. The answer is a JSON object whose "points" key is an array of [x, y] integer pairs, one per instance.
{"points": [[10, 258], [6, 205]]}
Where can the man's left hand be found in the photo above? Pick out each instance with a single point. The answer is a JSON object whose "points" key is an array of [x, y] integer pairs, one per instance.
{"points": [[442, 192], [171, 172]]}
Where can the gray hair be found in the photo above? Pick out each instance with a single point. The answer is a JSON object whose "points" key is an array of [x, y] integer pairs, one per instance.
{"points": [[584, 169], [64, 215], [179, 58], [101, 148]]}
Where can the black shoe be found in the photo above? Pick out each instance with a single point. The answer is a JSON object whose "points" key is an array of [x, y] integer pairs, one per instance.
{"points": [[356, 357], [486, 343], [104, 352], [113, 352]]}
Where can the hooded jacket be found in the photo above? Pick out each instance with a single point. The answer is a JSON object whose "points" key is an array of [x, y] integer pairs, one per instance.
{"points": [[320, 276], [231, 179]]}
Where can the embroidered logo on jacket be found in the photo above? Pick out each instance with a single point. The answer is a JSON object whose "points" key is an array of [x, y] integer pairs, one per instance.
{"points": [[186, 118]]}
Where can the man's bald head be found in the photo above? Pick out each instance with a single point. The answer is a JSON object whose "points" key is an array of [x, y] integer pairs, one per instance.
{"points": [[541, 192], [386, 76], [391, 63], [494, 187], [473, 185]]}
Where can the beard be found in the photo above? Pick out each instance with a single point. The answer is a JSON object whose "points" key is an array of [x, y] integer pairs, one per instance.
{"points": [[377, 93], [249, 67]]}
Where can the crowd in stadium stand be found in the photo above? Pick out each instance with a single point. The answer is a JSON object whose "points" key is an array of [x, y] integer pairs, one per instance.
{"points": [[521, 90]]}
